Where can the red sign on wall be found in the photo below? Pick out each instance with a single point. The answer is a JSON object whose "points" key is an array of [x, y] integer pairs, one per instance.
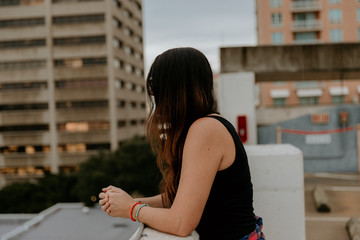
{"points": [[242, 128], [320, 118]]}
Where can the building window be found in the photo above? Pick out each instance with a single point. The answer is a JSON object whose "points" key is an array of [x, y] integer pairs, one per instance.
{"points": [[279, 83], [277, 38], [117, 3], [334, 1], [79, 40], [128, 13], [24, 149], [304, 16], [309, 100], [22, 128], [358, 14], [79, 62], [359, 34], [4, 3], [138, 6], [23, 43], [336, 35], [276, 19], [137, 22], [338, 99], [335, 15], [279, 102], [79, 19], [81, 104], [129, 50], [83, 126], [276, 3], [117, 23], [138, 56], [305, 37], [307, 84], [72, 1], [22, 22], [21, 107], [22, 65], [119, 84], [133, 104], [121, 123], [129, 68], [121, 103], [82, 83], [22, 86], [138, 39], [117, 43], [128, 32]]}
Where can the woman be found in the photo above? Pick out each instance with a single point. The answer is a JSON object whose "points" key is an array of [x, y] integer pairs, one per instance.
{"points": [[206, 182]]}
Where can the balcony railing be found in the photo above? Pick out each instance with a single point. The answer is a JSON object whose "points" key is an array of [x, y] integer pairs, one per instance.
{"points": [[307, 41], [306, 25], [306, 5]]}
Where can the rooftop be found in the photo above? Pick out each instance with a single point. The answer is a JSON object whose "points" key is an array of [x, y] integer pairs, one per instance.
{"points": [[65, 221]]}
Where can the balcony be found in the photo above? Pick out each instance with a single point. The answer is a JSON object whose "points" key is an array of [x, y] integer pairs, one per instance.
{"points": [[94, 136], [23, 159], [25, 138], [306, 25], [305, 6], [76, 158], [307, 41]]}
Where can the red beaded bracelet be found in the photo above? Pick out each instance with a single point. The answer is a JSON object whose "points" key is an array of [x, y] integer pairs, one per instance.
{"points": [[131, 211]]}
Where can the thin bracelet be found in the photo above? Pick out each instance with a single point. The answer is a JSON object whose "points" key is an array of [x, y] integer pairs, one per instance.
{"points": [[138, 210], [131, 211]]}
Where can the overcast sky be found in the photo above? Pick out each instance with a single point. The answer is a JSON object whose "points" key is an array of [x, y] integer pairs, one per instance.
{"points": [[203, 24]]}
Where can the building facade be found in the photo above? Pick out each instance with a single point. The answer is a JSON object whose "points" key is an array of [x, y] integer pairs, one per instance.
{"points": [[281, 22], [71, 82]]}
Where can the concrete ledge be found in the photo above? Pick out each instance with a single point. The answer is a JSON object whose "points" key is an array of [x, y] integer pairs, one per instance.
{"points": [[278, 182]]}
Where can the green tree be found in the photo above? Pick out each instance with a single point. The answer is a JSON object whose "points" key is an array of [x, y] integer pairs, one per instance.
{"points": [[59, 188], [22, 198], [132, 167]]}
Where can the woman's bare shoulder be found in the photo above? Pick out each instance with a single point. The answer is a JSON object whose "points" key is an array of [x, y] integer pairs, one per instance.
{"points": [[208, 128]]}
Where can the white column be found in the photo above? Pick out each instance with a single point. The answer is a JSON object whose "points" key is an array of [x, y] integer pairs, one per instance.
{"points": [[278, 181], [111, 75], [236, 96], [54, 157]]}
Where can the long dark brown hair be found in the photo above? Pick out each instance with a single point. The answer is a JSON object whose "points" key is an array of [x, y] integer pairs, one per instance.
{"points": [[180, 89]]}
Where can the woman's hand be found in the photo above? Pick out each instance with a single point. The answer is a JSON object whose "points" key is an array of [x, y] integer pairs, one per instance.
{"points": [[116, 202]]}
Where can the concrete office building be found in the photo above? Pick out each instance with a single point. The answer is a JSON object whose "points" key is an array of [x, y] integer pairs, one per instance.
{"points": [[282, 22], [71, 82]]}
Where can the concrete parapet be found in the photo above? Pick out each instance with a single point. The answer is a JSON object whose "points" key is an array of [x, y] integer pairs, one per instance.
{"points": [[278, 182]]}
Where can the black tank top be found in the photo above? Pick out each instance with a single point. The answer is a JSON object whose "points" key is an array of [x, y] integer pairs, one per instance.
{"points": [[229, 212]]}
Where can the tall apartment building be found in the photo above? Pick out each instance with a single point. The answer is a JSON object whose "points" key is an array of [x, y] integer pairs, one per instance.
{"points": [[308, 22], [71, 82]]}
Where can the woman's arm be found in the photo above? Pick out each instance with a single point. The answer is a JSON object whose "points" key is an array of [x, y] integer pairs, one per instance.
{"points": [[155, 201], [202, 157]]}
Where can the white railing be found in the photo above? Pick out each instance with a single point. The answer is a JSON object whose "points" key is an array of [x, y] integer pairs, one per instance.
{"points": [[306, 5], [306, 25]]}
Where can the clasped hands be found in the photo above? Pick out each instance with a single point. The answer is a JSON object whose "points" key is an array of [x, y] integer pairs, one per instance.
{"points": [[116, 202]]}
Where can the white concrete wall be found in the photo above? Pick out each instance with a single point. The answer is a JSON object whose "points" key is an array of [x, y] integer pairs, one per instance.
{"points": [[236, 96], [278, 181]]}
